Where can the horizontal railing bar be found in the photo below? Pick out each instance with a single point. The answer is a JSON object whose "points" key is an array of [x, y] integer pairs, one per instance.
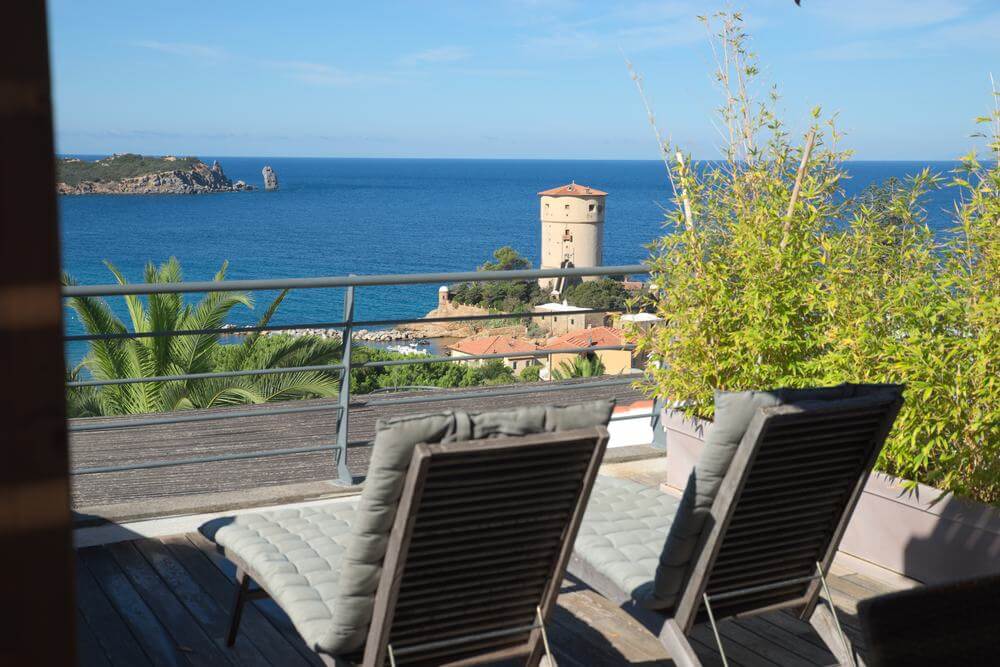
{"points": [[184, 419], [345, 281], [457, 396], [644, 415], [482, 357], [238, 330], [203, 376], [259, 454]]}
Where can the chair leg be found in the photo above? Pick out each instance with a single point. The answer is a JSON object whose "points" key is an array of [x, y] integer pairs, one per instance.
{"points": [[826, 627], [676, 642], [242, 588]]}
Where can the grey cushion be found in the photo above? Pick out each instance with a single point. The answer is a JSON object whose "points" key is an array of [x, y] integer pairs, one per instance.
{"points": [[295, 554], [733, 412], [322, 564], [623, 531], [394, 443]]}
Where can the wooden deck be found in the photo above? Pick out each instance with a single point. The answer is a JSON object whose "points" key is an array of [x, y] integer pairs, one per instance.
{"points": [[165, 601], [206, 487]]}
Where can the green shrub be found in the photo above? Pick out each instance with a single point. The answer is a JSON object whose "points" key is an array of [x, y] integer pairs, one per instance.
{"points": [[530, 373], [768, 276], [438, 374], [603, 294]]}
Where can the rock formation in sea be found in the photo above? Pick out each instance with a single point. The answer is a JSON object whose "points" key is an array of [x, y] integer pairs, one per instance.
{"points": [[138, 175], [270, 178]]}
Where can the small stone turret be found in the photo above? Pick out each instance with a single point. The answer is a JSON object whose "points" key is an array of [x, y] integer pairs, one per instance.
{"points": [[270, 178], [444, 296]]}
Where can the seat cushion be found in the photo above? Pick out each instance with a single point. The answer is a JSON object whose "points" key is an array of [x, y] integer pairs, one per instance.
{"points": [[623, 532], [295, 555], [393, 449]]}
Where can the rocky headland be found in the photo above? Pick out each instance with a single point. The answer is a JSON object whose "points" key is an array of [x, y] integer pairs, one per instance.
{"points": [[130, 174]]}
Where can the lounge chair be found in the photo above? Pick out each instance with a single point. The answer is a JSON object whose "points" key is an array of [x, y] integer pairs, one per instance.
{"points": [[453, 553], [759, 521], [945, 624]]}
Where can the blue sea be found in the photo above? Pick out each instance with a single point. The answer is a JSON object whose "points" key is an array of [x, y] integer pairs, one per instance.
{"points": [[366, 216]]}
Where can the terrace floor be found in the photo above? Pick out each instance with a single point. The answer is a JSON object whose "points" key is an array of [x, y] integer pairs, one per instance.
{"points": [[164, 600]]}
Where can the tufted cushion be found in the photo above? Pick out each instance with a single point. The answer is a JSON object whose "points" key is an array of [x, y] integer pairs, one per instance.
{"points": [[294, 554], [623, 532], [394, 443]]}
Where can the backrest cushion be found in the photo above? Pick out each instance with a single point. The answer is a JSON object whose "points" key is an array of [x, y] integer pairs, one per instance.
{"points": [[733, 412], [395, 440]]}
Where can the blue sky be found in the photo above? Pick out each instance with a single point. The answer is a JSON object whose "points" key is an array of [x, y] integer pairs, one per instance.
{"points": [[504, 78]]}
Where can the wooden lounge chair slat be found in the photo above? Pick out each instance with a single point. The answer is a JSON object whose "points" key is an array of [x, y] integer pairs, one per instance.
{"points": [[558, 502], [496, 495], [525, 480], [442, 600]]}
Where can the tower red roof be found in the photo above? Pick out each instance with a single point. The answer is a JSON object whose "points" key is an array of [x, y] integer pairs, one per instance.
{"points": [[573, 190]]}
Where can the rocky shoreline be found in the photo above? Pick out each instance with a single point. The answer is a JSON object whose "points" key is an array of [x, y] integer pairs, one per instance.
{"points": [[199, 179], [361, 335]]}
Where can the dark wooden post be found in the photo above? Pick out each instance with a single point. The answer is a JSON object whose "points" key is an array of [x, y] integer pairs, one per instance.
{"points": [[36, 555]]}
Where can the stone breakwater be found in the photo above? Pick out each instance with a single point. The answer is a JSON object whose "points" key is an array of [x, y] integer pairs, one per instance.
{"points": [[361, 335]]}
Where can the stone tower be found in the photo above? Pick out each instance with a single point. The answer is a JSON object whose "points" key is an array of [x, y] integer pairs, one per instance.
{"points": [[572, 230]]}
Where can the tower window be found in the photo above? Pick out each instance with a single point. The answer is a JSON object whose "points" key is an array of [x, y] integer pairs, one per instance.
{"points": [[590, 208], [566, 207]]}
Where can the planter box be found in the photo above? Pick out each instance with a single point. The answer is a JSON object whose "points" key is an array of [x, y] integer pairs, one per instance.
{"points": [[899, 530]]}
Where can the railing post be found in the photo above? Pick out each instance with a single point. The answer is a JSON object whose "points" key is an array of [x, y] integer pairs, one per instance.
{"points": [[343, 474]]}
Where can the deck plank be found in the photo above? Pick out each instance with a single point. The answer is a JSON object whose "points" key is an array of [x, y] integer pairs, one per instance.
{"points": [[808, 651], [198, 648], [120, 646], [88, 648], [268, 640], [153, 637], [212, 619]]}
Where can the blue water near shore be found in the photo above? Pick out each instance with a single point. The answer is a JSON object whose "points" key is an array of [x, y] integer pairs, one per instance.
{"points": [[366, 216]]}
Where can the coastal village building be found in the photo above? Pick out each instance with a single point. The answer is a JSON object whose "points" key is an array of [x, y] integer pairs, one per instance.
{"points": [[572, 230], [642, 321], [561, 318], [513, 349], [615, 362]]}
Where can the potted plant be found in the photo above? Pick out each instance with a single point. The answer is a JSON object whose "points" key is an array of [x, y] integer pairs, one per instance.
{"points": [[768, 276]]}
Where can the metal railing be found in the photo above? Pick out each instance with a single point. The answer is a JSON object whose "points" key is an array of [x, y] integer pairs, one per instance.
{"points": [[346, 326]]}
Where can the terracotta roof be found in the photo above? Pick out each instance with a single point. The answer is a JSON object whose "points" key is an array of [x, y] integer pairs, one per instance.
{"points": [[573, 189], [493, 345], [586, 338]]}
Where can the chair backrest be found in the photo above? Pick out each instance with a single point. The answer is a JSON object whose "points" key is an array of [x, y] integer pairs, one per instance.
{"points": [[480, 542], [948, 624], [785, 503]]}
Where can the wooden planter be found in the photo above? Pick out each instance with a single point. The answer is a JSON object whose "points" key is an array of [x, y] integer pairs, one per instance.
{"points": [[903, 531]]}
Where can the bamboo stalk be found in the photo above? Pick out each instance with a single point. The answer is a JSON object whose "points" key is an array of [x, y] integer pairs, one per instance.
{"points": [[800, 174], [684, 197]]}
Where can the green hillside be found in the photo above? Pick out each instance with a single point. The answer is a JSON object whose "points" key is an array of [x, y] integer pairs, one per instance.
{"points": [[73, 171]]}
